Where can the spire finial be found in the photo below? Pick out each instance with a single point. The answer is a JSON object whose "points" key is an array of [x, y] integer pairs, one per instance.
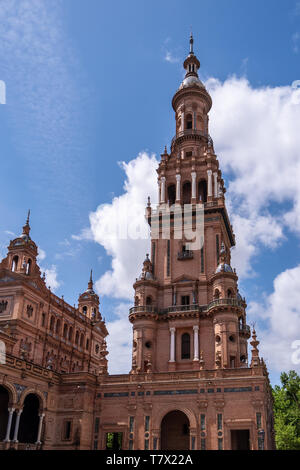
{"points": [[26, 228], [90, 283], [191, 43], [28, 217]]}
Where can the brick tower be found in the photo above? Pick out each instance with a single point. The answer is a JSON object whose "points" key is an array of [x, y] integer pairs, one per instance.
{"points": [[186, 298], [188, 313]]}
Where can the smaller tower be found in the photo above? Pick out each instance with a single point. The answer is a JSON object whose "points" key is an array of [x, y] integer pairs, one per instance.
{"points": [[88, 302], [22, 253]]}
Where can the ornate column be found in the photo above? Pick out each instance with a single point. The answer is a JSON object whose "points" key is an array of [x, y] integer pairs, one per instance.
{"points": [[19, 412], [194, 175], [178, 179], [163, 189], [41, 416], [196, 342], [215, 184], [10, 416], [195, 121], [182, 121], [172, 344], [209, 183]]}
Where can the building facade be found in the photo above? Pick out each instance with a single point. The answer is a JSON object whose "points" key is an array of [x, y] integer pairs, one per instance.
{"points": [[191, 385]]}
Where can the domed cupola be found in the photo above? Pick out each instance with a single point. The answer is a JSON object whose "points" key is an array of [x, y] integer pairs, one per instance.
{"points": [[22, 252], [88, 302], [147, 270], [191, 65], [223, 266]]}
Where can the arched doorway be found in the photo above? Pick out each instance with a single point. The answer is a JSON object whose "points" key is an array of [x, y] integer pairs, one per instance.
{"points": [[175, 431], [29, 422], [4, 401]]}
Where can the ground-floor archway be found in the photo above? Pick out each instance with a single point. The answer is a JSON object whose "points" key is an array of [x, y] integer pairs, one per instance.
{"points": [[29, 422], [240, 439], [4, 401], [175, 431]]}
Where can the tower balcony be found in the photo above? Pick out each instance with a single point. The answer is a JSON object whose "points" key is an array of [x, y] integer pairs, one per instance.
{"points": [[190, 134], [225, 302], [183, 255], [245, 330], [144, 309]]}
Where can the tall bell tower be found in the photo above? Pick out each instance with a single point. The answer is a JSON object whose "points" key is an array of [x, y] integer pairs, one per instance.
{"points": [[188, 312]]}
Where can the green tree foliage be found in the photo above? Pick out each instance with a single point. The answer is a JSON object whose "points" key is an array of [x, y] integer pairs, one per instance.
{"points": [[287, 411]]}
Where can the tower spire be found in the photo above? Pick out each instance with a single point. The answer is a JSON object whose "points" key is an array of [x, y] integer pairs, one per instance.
{"points": [[191, 43], [28, 217], [90, 284], [26, 228]]}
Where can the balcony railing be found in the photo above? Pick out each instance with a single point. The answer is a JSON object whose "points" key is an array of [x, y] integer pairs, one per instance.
{"points": [[245, 329], [217, 302], [189, 308], [180, 308], [190, 132], [143, 308], [188, 254]]}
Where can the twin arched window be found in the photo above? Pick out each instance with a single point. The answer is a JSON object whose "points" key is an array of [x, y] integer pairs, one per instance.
{"points": [[28, 267], [14, 265], [187, 192]]}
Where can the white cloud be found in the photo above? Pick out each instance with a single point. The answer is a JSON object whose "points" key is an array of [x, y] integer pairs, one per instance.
{"points": [[50, 273], [126, 212], [119, 341], [256, 136], [169, 57], [51, 277], [41, 256], [281, 314]]}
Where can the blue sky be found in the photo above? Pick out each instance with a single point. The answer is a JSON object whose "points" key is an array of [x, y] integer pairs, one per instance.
{"points": [[89, 85]]}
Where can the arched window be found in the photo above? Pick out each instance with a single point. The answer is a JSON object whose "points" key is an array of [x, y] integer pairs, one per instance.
{"points": [[70, 333], [52, 320], [229, 294], [77, 337], [171, 194], [81, 340], [65, 333], [189, 122], [14, 265], [84, 310], [216, 294], [43, 319], [87, 344], [148, 300], [185, 346], [202, 191], [28, 267], [57, 329], [186, 193]]}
